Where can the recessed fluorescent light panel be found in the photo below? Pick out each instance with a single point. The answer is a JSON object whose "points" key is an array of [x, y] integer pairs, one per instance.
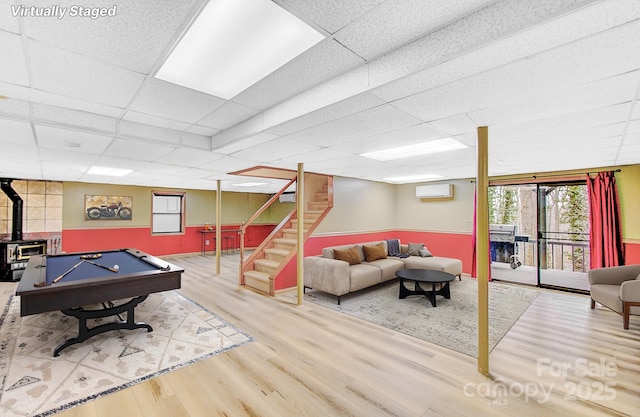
{"points": [[413, 178], [235, 43], [425, 148], [110, 172], [249, 184]]}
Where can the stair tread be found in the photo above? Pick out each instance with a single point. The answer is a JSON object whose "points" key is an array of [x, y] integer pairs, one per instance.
{"points": [[286, 241], [277, 251], [257, 275], [268, 262]]}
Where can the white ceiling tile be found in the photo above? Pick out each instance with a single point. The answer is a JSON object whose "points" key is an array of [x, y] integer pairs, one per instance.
{"points": [[192, 140], [275, 149], [320, 63], [227, 115], [17, 132], [129, 149], [318, 155], [58, 71], [153, 133], [331, 15], [401, 137], [70, 117], [580, 98], [161, 98], [147, 119], [188, 157], [566, 28], [134, 38], [340, 109], [367, 123], [61, 157], [34, 95], [397, 22], [14, 67], [202, 130], [7, 20], [71, 140], [12, 107]]}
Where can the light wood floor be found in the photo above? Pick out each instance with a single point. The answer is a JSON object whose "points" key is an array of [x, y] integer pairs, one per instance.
{"points": [[312, 361]]}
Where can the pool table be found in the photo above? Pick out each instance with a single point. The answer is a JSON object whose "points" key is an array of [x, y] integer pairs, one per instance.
{"points": [[75, 283]]}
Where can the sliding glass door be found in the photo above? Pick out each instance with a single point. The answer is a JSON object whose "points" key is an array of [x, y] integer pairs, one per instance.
{"points": [[539, 234], [563, 235], [512, 232]]}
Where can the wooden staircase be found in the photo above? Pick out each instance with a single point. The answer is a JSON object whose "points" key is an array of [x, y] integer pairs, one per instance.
{"points": [[261, 269]]}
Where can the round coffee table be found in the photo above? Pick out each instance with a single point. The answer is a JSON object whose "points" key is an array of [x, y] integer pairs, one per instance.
{"points": [[425, 275]]}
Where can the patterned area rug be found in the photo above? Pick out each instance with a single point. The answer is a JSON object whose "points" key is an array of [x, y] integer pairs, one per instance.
{"points": [[34, 383], [452, 324]]}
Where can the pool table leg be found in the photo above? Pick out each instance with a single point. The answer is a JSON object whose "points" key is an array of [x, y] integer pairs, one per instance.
{"points": [[84, 332]]}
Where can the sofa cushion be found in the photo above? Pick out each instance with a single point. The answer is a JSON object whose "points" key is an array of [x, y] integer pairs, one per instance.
{"points": [[413, 248], [425, 253], [373, 253], [363, 276], [348, 255], [437, 263], [388, 267]]}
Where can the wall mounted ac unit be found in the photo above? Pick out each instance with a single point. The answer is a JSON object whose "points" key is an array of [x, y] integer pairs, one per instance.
{"points": [[287, 198], [433, 191]]}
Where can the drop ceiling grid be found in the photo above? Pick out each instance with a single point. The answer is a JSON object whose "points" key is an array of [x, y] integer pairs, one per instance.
{"points": [[188, 157], [121, 148], [171, 101], [73, 118], [50, 137], [331, 15], [319, 64], [395, 23], [544, 73], [138, 132], [401, 137], [134, 38], [61, 72], [364, 124], [228, 115], [340, 109], [14, 68], [574, 99], [314, 156], [162, 122], [16, 132], [275, 149]]}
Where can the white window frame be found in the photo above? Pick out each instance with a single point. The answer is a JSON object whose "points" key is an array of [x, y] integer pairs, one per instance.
{"points": [[167, 213]]}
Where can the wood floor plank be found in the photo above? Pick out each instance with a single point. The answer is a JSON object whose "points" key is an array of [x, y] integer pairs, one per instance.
{"points": [[312, 361]]}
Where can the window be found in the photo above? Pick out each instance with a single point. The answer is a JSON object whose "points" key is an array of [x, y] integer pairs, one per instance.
{"points": [[168, 212]]}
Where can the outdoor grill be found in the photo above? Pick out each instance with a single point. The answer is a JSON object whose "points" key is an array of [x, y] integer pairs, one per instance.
{"points": [[504, 244]]}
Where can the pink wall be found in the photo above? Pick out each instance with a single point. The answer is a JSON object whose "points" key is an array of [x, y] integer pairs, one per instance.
{"points": [[449, 245], [141, 238]]}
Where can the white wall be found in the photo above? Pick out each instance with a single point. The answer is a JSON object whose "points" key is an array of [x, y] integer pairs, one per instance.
{"points": [[360, 206]]}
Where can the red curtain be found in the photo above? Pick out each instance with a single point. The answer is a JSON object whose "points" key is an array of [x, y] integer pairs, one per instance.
{"points": [[605, 243]]}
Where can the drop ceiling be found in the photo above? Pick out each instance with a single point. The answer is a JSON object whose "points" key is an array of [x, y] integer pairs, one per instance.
{"points": [[556, 82]]}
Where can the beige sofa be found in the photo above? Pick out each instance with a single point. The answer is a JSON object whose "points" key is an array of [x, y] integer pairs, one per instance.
{"points": [[338, 277], [617, 288]]}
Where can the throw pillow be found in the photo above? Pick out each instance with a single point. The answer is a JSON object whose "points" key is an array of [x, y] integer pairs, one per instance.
{"points": [[347, 255], [373, 253], [424, 253], [414, 248]]}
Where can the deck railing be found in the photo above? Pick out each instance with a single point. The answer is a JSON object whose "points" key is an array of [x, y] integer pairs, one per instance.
{"points": [[565, 251]]}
